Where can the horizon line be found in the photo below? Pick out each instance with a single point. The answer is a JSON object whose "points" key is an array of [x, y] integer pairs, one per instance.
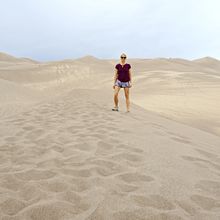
{"points": [[112, 58]]}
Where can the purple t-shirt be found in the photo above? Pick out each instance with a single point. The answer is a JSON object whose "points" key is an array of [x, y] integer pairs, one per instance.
{"points": [[123, 72]]}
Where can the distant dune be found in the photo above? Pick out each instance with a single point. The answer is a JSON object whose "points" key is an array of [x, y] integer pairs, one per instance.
{"points": [[11, 59]]}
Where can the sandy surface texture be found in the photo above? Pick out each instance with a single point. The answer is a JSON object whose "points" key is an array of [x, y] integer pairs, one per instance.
{"points": [[65, 155]]}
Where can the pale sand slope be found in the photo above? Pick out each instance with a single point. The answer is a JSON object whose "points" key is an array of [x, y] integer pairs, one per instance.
{"points": [[73, 158], [191, 98], [65, 155]]}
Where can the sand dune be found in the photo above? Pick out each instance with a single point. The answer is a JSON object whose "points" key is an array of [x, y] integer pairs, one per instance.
{"points": [[65, 155], [208, 62], [191, 98], [8, 58], [11, 59]]}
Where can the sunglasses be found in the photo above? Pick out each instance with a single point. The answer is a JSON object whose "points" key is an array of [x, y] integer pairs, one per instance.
{"points": [[123, 57]]}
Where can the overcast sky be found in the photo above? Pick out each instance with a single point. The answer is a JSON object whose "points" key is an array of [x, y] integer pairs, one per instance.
{"points": [[60, 29]]}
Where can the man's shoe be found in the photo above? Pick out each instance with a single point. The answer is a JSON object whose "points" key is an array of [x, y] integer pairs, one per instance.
{"points": [[115, 109]]}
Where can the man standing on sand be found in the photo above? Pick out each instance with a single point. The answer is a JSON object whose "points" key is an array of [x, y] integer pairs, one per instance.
{"points": [[122, 79]]}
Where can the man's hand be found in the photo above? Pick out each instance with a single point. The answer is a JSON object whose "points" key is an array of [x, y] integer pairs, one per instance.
{"points": [[113, 86], [130, 84]]}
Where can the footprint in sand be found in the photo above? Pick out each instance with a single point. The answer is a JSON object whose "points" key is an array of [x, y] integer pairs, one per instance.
{"points": [[34, 134], [30, 191], [103, 171], [18, 121], [126, 188], [128, 215], [207, 154], [28, 127], [128, 148], [12, 206], [204, 162], [106, 168], [50, 211], [110, 127], [34, 174], [130, 157], [51, 163], [75, 199], [104, 148], [154, 200], [100, 135], [75, 128], [77, 173], [97, 214], [10, 139], [53, 186], [215, 166], [192, 159], [181, 140], [20, 133], [187, 206], [83, 147], [164, 216], [80, 184], [139, 215], [112, 141], [209, 186], [157, 126], [214, 160], [135, 177], [207, 203], [10, 182], [58, 148]]}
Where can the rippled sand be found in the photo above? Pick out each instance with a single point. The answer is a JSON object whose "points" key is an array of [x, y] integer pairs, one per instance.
{"points": [[65, 155]]}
